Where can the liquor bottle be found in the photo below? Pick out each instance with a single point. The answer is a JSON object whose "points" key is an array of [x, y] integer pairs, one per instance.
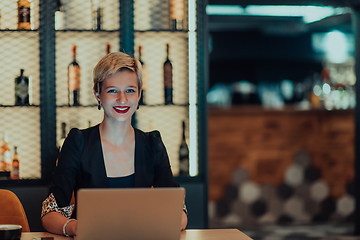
{"points": [[97, 11], [21, 89], [108, 48], [168, 78], [15, 165], [183, 154], [176, 14], [59, 16], [60, 142], [74, 80], [5, 154], [24, 14], [144, 79]]}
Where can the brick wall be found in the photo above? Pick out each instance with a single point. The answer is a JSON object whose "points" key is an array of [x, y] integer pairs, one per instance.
{"points": [[271, 146]]}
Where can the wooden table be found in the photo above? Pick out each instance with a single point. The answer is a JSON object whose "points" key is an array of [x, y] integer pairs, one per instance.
{"points": [[204, 234]]}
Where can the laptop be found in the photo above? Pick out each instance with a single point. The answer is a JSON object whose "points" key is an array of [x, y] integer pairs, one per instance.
{"points": [[130, 214]]}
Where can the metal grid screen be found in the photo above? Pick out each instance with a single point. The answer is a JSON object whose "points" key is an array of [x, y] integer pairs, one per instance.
{"points": [[21, 124], [90, 26], [153, 31]]}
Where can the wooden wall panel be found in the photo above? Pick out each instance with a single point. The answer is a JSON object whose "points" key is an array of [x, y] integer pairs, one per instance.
{"points": [[265, 142]]}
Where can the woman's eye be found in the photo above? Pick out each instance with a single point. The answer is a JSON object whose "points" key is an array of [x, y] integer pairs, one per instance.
{"points": [[130, 90], [111, 91]]}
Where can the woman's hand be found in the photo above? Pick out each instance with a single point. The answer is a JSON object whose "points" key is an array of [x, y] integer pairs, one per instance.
{"points": [[183, 221]]}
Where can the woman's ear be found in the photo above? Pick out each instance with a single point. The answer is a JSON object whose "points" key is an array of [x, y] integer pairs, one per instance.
{"points": [[97, 95], [140, 92]]}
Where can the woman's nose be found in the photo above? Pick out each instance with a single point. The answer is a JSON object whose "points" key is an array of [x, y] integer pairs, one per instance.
{"points": [[121, 98]]}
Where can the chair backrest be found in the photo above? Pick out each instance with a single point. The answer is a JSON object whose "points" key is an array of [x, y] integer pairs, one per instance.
{"points": [[12, 211]]}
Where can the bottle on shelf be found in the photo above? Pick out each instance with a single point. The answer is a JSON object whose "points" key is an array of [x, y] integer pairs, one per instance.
{"points": [[5, 157], [21, 89], [108, 48], [96, 11], [60, 142], [74, 80], [24, 14], [15, 165], [59, 16], [168, 78], [183, 154], [176, 14], [144, 79]]}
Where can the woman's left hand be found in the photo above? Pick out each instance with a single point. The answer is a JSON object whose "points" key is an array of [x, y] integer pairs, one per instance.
{"points": [[183, 221]]}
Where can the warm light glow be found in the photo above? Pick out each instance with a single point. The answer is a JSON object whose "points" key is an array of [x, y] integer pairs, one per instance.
{"points": [[176, 9], [193, 161]]}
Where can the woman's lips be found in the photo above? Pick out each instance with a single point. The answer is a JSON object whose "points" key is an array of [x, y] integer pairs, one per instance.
{"points": [[122, 110]]}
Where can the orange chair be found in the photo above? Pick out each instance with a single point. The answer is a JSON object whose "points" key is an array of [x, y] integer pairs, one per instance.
{"points": [[12, 211]]}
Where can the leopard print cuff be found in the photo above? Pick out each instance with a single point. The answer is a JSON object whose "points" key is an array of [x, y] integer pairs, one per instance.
{"points": [[50, 205]]}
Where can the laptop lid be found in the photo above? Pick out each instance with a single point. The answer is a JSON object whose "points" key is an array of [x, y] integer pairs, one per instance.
{"points": [[131, 214]]}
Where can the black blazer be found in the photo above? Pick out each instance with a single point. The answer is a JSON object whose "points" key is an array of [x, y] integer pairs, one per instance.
{"points": [[81, 164]]}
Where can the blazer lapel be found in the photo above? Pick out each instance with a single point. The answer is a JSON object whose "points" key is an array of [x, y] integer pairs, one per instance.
{"points": [[138, 158], [97, 162]]}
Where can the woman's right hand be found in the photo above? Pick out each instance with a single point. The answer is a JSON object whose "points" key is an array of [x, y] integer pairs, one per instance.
{"points": [[71, 228]]}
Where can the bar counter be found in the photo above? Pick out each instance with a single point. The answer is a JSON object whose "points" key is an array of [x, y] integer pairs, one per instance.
{"points": [[266, 141]]}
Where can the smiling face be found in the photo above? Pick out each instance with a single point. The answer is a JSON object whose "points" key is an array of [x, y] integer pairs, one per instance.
{"points": [[119, 95]]}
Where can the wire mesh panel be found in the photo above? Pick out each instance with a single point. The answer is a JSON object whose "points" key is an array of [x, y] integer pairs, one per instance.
{"points": [[77, 117], [167, 120], [158, 14], [9, 14], [19, 94], [22, 127], [92, 27], [81, 14], [153, 45], [161, 32], [90, 48], [19, 50]]}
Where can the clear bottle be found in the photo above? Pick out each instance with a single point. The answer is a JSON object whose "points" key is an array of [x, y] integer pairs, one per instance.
{"points": [[144, 79], [15, 166], [168, 78], [24, 8], [21, 89], [183, 154], [74, 80], [176, 14], [59, 16], [97, 12]]}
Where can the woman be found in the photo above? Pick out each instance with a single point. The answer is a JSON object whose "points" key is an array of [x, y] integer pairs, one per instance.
{"points": [[111, 154]]}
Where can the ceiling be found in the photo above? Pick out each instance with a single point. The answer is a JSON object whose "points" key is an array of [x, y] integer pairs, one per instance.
{"points": [[335, 3], [281, 24]]}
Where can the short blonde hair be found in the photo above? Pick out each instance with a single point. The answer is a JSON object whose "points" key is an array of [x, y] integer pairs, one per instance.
{"points": [[113, 63]]}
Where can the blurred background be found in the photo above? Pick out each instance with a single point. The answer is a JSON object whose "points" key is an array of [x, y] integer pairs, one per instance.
{"points": [[281, 117]]}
